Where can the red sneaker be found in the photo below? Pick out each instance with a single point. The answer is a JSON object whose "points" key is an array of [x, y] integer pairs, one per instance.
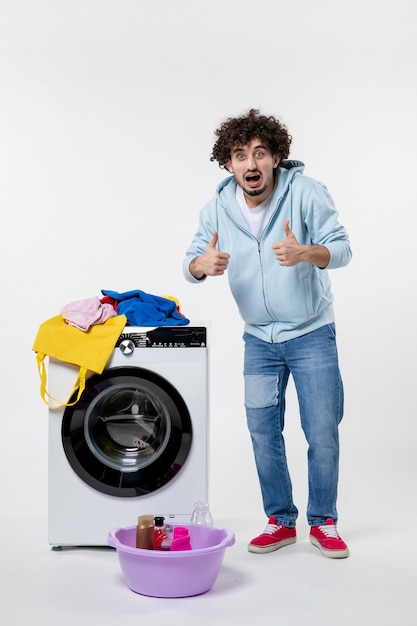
{"points": [[327, 539], [274, 536]]}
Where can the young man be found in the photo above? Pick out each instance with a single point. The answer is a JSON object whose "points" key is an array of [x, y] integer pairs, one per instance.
{"points": [[276, 232]]}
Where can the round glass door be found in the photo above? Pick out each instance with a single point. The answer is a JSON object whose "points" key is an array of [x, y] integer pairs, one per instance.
{"points": [[129, 434]]}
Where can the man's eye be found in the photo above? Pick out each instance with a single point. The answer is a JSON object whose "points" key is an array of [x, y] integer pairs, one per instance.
{"points": [[259, 155]]}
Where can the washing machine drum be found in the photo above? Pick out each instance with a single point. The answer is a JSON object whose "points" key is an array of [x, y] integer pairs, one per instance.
{"points": [[129, 434]]}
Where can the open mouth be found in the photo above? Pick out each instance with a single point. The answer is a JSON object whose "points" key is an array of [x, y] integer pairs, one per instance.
{"points": [[252, 179]]}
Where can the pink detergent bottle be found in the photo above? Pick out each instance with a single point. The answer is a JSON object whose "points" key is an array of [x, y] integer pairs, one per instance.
{"points": [[181, 540]]}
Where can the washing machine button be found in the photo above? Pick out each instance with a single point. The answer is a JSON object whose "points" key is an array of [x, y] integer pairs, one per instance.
{"points": [[127, 346]]}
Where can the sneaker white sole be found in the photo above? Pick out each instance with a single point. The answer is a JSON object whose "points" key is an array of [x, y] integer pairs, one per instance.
{"points": [[272, 547], [332, 554]]}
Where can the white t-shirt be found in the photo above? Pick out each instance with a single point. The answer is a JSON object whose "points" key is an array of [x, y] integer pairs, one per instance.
{"points": [[257, 217]]}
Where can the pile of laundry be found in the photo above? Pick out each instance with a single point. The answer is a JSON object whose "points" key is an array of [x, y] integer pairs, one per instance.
{"points": [[139, 307]]}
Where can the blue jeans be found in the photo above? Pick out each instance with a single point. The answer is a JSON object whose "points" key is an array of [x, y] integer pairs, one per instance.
{"points": [[313, 363]]}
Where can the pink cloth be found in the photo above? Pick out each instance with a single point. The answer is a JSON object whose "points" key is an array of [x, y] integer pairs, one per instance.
{"points": [[84, 313]]}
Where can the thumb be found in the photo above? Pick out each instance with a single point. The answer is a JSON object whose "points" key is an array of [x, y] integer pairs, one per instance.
{"points": [[287, 229], [214, 239]]}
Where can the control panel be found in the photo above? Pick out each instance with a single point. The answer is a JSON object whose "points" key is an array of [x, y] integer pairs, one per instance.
{"points": [[162, 337]]}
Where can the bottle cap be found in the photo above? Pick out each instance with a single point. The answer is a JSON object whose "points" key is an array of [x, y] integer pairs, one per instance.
{"points": [[144, 521], [202, 506]]}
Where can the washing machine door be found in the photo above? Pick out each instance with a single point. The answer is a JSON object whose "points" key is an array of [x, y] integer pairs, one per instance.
{"points": [[129, 434]]}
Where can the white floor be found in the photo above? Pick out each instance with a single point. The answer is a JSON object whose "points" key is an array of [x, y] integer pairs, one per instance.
{"points": [[293, 586]]}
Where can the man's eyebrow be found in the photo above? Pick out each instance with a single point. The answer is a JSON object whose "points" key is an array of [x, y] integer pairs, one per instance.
{"points": [[239, 148]]}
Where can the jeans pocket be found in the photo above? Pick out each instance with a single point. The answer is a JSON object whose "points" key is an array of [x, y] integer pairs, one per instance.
{"points": [[332, 328]]}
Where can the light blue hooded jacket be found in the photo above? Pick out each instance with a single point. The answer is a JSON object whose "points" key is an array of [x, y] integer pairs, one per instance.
{"points": [[276, 303]]}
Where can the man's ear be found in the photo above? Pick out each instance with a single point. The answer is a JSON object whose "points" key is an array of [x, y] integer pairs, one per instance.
{"points": [[277, 160], [228, 166]]}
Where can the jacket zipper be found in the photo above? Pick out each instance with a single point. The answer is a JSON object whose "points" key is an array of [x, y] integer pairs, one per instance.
{"points": [[258, 242], [260, 263]]}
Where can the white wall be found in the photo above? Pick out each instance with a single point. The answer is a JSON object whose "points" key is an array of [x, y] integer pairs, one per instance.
{"points": [[107, 115]]}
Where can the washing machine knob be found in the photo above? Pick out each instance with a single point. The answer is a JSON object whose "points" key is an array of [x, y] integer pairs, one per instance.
{"points": [[127, 346]]}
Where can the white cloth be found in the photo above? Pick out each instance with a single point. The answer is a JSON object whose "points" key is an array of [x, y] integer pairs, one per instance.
{"points": [[257, 217]]}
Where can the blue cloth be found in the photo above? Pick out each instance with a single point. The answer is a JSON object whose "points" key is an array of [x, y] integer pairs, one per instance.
{"points": [[144, 309]]}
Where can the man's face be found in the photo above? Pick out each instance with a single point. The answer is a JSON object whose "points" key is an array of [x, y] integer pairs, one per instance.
{"points": [[253, 167]]}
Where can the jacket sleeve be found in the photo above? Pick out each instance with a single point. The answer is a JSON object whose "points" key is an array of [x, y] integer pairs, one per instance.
{"points": [[206, 225], [321, 219]]}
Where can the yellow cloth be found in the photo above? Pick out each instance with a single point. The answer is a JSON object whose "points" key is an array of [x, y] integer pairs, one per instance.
{"points": [[89, 350]]}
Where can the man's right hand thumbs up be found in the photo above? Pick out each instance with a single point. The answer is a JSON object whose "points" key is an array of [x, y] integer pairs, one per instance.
{"points": [[212, 262], [214, 240]]}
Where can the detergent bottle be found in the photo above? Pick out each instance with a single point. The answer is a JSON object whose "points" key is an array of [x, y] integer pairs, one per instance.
{"points": [[181, 540]]}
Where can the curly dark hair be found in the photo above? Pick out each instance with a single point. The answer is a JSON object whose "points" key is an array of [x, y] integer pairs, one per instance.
{"points": [[241, 130]]}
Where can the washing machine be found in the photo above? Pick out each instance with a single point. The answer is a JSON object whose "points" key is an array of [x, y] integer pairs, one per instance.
{"points": [[136, 442]]}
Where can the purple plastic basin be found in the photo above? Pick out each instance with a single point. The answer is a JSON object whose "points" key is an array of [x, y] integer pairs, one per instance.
{"points": [[172, 574]]}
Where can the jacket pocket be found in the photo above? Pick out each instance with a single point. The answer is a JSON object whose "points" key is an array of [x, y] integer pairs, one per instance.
{"points": [[309, 298]]}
